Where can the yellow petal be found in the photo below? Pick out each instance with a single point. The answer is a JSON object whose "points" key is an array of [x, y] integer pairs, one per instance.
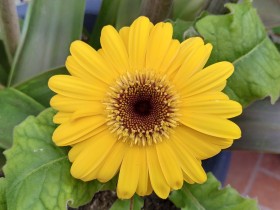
{"points": [[89, 109], [169, 165], [61, 117], [202, 146], [75, 69], [187, 48], [221, 108], [91, 154], [91, 62], [149, 188], [129, 173], [137, 45], [207, 79], [187, 178], [74, 87], [207, 96], [67, 104], [90, 134], [143, 184], [158, 44], [211, 125], [169, 56], [157, 178], [189, 164], [124, 34], [114, 48], [112, 162], [69, 132], [192, 64]]}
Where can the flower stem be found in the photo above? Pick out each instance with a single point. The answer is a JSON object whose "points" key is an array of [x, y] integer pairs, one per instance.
{"points": [[156, 10], [131, 203], [218, 6], [10, 26]]}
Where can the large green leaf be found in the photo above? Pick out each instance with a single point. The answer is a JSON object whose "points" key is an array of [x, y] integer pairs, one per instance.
{"points": [[3, 194], [137, 204], [48, 30], [187, 9], [260, 125], [37, 87], [15, 107], [128, 11], [41, 179], [209, 196], [240, 37], [180, 27], [118, 13], [107, 16]]}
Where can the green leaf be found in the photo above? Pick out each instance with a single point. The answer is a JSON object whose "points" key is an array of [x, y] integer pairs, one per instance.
{"points": [[179, 28], [37, 87], [106, 16], [187, 9], [117, 13], [138, 203], [260, 125], [4, 64], [128, 11], [15, 107], [239, 37], [3, 205], [49, 28], [209, 196], [41, 179]]}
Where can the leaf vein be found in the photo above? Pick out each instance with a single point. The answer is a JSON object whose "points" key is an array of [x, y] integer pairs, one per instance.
{"points": [[38, 169], [250, 52]]}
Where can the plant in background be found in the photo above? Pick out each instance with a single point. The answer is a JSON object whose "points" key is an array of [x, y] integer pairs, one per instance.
{"points": [[137, 115]]}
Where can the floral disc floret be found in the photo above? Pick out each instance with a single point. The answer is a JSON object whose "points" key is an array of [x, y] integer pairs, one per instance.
{"points": [[142, 108]]}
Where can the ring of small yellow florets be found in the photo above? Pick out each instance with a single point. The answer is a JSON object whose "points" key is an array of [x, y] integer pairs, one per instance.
{"points": [[141, 108]]}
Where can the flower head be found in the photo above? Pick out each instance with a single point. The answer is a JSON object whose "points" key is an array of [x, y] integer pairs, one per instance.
{"points": [[143, 106]]}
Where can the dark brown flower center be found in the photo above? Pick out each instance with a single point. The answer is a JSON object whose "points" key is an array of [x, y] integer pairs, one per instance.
{"points": [[141, 109]]}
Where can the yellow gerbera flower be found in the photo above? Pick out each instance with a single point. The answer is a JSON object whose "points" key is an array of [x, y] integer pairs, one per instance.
{"points": [[143, 106]]}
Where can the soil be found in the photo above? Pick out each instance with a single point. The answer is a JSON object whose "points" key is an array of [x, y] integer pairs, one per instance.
{"points": [[104, 200]]}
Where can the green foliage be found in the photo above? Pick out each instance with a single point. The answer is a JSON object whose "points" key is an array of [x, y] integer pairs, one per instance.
{"points": [[49, 28], [209, 196], [15, 107], [37, 87], [4, 64], [38, 172], [187, 9], [180, 27], [138, 203], [239, 37], [28, 98], [3, 205], [117, 13]]}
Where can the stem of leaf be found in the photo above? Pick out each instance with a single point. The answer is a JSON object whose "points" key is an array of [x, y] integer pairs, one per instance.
{"points": [[156, 10], [10, 26]]}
